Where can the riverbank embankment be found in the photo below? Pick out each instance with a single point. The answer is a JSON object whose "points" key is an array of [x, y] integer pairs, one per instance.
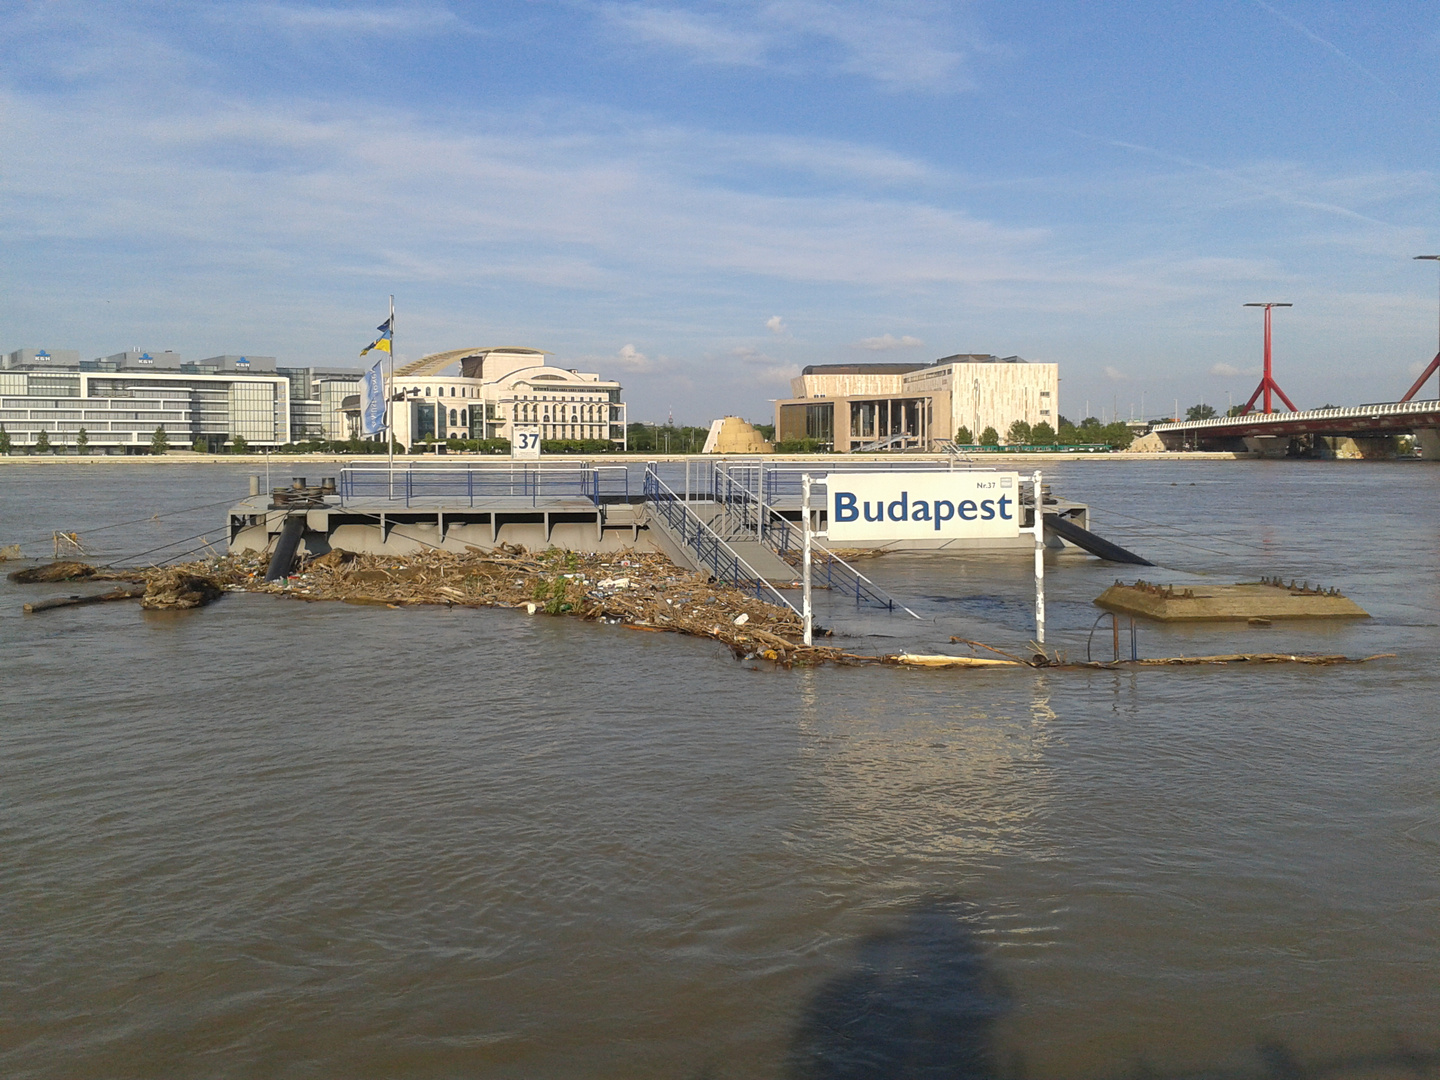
{"points": [[823, 462]]}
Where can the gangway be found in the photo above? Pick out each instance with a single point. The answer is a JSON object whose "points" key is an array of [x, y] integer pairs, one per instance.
{"points": [[746, 514], [705, 548]]}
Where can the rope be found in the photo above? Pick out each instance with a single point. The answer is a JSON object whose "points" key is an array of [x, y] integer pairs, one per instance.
{"points": [[139, 521]]}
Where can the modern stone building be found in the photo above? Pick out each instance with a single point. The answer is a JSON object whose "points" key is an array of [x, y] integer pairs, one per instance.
{"points": [[916, 406]]}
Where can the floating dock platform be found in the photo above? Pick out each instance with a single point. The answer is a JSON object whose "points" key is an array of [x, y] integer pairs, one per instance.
{"points": [[735, 521], [1260, 600]]}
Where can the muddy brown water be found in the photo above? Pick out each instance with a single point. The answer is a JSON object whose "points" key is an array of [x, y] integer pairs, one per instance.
{"points": [[275, 839]]}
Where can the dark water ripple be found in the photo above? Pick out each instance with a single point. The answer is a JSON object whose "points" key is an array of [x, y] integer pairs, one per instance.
{"points": [[275, 839]]}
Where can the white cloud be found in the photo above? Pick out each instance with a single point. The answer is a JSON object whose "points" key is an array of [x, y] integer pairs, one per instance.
{"points": [[762, 369], [630, 358], [704, 37], [347, 20], [776, 325], [886, 342], [1115, 374], [1224, 369], [900, 44]]}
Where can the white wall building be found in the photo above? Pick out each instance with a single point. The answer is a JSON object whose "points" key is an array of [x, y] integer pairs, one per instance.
{"points": [[120, 410], [498, 388]]}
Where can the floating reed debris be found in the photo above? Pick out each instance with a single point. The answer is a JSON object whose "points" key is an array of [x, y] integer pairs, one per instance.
{"points": [[178, 589], [644, 591], [63, 570]]}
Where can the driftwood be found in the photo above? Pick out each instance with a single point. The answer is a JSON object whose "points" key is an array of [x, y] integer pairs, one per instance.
{"points": [[54, 571], [79, 601]]}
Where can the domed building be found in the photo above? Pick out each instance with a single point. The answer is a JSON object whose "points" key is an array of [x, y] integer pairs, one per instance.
{"points": [[496, 388]]}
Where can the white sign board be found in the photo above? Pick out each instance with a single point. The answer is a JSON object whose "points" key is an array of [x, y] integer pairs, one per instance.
{"points": [[525, 442], [879, 506]]}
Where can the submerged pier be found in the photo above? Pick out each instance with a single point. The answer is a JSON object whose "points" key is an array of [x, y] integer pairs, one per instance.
{"points": [[735, 521]]}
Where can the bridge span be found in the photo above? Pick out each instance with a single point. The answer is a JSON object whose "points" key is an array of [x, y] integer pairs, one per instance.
{"points": [[1271, 433]]}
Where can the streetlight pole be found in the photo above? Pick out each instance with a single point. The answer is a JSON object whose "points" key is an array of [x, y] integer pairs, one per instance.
{"points": [[1434, 364], [1267, 380]]}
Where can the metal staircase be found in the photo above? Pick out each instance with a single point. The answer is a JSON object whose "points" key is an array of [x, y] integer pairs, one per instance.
{"points": [[744, 517], [702, 545]]}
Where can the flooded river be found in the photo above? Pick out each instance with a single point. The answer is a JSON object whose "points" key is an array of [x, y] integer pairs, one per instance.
{"points": [[276, 839]]}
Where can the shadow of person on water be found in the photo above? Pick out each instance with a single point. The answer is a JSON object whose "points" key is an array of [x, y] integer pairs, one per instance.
{"points": [[921, 1001]]}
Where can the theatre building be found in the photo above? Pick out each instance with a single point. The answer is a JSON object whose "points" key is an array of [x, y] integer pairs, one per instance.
{"points": [[916, 406]]}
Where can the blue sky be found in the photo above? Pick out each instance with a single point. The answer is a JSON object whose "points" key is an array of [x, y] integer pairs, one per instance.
{"points": [[701, 198]]}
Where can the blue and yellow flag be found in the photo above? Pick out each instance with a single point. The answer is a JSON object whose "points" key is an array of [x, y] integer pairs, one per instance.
{"points": [[383, 341]]}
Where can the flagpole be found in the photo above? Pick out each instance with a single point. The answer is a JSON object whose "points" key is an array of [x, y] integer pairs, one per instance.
{"points": [[389, 396]]}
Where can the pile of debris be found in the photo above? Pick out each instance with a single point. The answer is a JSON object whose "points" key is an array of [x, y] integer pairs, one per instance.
{"points": [[642, 590], [179, 590]]}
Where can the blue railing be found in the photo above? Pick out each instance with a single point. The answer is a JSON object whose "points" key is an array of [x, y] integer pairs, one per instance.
{"points": [[704, 543], [520, 482]]}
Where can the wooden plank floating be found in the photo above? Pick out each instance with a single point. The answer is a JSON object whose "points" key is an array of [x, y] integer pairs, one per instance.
{"points": [[1265, 599], [80, 601]]}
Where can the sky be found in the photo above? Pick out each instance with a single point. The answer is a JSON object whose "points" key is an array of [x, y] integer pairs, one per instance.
{"points": [[700, 199]]}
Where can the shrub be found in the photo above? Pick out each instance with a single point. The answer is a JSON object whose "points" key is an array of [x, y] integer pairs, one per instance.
{"points": [[989, 437], [1042, 434], [802, 446], [239, 446], [963, 436]]}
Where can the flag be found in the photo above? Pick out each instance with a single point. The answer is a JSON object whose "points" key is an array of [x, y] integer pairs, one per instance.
{"points": [[383, 341], [372, 400]]}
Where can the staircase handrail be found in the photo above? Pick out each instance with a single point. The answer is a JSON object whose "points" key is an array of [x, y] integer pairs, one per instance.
{"points": [[780, 535], [704, 541]]}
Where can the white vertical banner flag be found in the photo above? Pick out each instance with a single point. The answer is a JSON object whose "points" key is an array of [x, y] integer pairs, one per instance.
{"points": [[372, 401]]}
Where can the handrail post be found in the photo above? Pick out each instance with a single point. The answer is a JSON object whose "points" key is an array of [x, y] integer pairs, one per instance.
{"points": [[807, 614], [1040, 558]]}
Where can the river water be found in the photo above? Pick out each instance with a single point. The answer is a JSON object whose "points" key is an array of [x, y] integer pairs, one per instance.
{"points": [[275, 839]]}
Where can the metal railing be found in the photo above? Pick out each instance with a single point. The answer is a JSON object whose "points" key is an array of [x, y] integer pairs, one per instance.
{"points": [[899, 439], [518, 481], [757, 521], [704, 543], [1355, 412], [781, 480]]}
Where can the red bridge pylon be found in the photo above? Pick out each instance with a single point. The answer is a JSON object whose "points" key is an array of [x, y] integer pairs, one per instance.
{"points": [[1267, 380], [1434, 366]]}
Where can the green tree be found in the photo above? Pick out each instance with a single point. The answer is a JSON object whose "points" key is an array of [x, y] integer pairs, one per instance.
{"points": [[159, 442], [82, 441], [1117, 435], [202, 445], [42, 443], [963, 436], [1200, 412], [239, 446], [1018, 434], [4, 440], [1042, 434], [989, 437]]}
